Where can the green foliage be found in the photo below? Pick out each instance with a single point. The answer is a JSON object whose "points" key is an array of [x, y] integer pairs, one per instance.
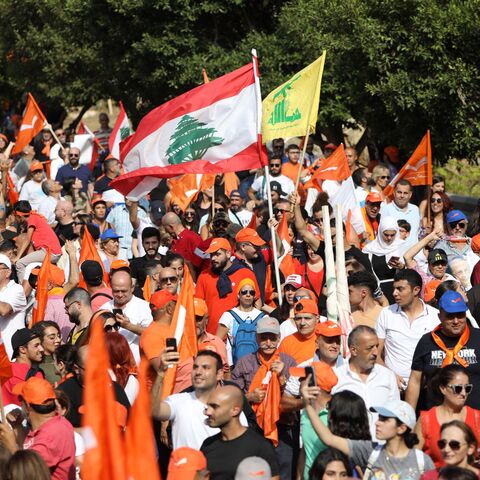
{"points": [[398, 67], [462, 177]]}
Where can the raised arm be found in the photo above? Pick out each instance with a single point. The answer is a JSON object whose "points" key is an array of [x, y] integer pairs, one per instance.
{"points": [[417, 247], [160, 409], [301, 225]]}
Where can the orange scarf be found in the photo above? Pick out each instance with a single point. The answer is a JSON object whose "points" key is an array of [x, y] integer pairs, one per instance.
{"points": [[268, 412], [452, 354]]}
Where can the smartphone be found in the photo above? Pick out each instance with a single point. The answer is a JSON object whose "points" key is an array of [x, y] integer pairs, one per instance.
{"points": [[117, 311], [313, 380], [172, 342], [394, 259]]}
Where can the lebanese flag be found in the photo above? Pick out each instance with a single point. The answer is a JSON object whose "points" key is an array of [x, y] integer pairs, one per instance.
{"points": [[335, 167], [418, 169], [88, 144], [120, 132], [32, 124], [214, 128]]}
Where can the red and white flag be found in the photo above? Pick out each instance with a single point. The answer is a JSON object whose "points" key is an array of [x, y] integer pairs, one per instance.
{"points": [[418, 169], [120, 132], [214, 128]]}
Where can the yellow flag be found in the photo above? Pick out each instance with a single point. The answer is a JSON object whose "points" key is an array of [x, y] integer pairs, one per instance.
{"points": [[293, 107]]}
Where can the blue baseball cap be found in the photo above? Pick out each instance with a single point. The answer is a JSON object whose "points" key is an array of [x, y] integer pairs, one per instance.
{"points": [[455, 216], [452, 302], [109, 234]]}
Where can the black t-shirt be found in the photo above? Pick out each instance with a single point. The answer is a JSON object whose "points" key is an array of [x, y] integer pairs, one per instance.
{"points": [[74, 391], [102, 184], [429, 356], [137, 269], [223, 456], [64, 232]]}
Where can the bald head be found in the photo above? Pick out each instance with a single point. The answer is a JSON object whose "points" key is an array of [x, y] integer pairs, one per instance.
{"points": [[122, 288], [171, 218], [64, 211], [224, 407]]}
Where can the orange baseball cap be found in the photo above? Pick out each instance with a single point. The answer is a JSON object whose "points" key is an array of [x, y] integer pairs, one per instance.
{"points": [[119, 264], [36, 166], [306, 306], [249, 235], [324, 375], [185, 462], [476, 243], [161, 298], [200, 307], [98, 199], [35, 390], [374, 197], [57, 276], [430, 289], [328, 329], [218, 244]]}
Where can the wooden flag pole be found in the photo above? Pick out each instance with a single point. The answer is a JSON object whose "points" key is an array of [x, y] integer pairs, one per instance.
{"points": [[213, 199], [331, 279], [55, 137], [300, 161], [2, 410], [273, 237], [429, 200]]}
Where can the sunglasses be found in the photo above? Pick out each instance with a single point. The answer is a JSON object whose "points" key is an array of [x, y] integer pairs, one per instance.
{"points": [[275, 165], [169, 280], [248, 292], [458, 388], [219, 210], [221, 223], [278, 210], [436, 200], [297, 298], [458, 224], [189, 214], [385, 177], [37, 171], [110, 328], [74, 156], [453, 444]]}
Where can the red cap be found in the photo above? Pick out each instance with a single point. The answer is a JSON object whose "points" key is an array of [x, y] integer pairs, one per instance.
{"points": [[330, 146], [119, 264], [35, 390], [218, 244], [98, 199], [249, 235], [328, 329], [200, 307], [184, 463], [306, 306], [161, 298], [324, 375], [36, 166], [374, 197]]}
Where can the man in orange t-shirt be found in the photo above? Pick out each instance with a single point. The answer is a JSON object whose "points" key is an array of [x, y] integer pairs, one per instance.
{"points": [[217, 284]]}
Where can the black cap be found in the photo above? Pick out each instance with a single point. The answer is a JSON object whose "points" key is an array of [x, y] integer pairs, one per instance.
{"points": [[277, 187], [21, 337], [221, 216], [437, 255], [92, 272]]}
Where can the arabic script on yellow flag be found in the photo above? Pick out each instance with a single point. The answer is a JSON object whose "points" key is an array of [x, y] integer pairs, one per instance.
{"points": [[293, 107]]}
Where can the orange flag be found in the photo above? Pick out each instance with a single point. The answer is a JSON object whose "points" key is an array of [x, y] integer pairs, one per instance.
{"points": [[5, 365], [183, 328], [418, 169], [287, 263], [335, 167], [41, 294], [147, 289], [88, 251], [140, 445], [230, 182], [253, 222], [186, 187], [32, 123], [104, 450], [12, 191]]}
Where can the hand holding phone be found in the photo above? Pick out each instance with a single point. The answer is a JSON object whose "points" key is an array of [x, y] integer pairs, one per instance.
{"points": [[310, 371], [172, 343], [117, 311]]}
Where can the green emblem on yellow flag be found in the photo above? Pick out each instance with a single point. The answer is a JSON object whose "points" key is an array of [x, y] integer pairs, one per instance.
{"points": [[292, 108]]}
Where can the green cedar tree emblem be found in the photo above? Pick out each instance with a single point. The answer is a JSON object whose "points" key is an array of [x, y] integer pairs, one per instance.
{"points": [[124, 132], [191, 140]]}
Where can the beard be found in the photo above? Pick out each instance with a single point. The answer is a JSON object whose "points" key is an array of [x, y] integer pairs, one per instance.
{"points": [[217, 270]]}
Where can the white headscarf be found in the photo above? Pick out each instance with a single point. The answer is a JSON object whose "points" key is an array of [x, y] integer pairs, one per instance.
{"points": [[379, 246]]}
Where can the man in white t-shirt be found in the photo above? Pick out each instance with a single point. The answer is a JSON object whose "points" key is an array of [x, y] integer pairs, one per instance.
{"points": [[12, 304], [186, 411], [32, 190], [47, 208], [136, 314], [258, 190], [238, 213], [399, 327]]}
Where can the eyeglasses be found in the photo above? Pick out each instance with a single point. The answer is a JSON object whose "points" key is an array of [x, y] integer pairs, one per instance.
{"points": [[110, 328], [275, 165], [248, 292], [458, 388], [436, 200], [454, 445], [74, 155], [385, 177], [169, 280], [458, 225], [37, 171], [67, 307]]}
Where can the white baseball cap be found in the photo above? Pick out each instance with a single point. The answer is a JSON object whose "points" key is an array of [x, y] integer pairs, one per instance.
{"points": [[397, 409], [5, 260]]}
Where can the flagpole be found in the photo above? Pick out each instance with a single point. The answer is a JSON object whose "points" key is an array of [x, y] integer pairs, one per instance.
{"points": [[49, 127], [300, 161], [2, 411], [276, 266]]}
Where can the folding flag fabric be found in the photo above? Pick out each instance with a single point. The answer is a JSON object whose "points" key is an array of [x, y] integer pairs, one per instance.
{"points": [[32, 124], [418, 169], [41, 294], [292, 108], [186, 187], [213, 128], [12, 191], [183, 328], [231, 182], [88, 144], [104, 457], [335, 167], [88, 251], [5, 365], [120, 132], [140, 446]]}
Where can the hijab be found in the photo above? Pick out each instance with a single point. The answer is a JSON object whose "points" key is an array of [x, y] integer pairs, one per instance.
{"points": [[380, 247]]}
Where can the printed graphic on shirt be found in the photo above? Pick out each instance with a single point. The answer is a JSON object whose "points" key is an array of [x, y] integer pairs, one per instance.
{"points": [[468, 354]]}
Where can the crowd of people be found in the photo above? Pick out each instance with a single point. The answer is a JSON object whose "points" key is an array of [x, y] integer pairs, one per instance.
{"points": [[277, 389]]}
